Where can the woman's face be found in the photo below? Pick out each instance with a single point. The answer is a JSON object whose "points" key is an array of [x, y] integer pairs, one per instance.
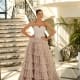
{"points": [[40, 14]]}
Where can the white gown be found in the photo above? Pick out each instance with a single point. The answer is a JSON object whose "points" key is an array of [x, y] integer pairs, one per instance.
{"points": [[38, 62]]}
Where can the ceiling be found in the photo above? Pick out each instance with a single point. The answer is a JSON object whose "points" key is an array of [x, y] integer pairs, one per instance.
{"points": [[63, 4]]}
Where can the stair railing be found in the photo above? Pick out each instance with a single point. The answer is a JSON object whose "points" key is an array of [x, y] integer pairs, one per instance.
{"points": [[29, 11]]}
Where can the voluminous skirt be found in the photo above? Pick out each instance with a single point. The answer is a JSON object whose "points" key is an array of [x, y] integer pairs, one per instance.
{"points": [[38, 62]]}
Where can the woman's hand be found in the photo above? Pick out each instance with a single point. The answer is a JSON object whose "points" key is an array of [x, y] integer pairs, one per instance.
{"points": [[44, 38]]}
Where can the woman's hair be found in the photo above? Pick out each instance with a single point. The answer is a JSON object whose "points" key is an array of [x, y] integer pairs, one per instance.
{"points": [[38, 10]]}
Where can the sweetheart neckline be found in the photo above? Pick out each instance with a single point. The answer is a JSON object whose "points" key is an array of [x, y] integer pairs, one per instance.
{"points": [[39, 27]]}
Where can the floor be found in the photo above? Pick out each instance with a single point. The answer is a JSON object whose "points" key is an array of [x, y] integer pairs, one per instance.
{"points": [[66, 71]]}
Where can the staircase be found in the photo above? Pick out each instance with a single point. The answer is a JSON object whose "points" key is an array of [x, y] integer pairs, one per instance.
{"points": [[12, 43]]}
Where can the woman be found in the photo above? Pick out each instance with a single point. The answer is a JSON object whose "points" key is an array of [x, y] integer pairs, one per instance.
{"points": [[38, 63]]}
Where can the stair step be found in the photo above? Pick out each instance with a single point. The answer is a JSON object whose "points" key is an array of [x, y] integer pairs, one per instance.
{"points": [[11, 39], [10, 24], [11, 35], [12, 49], [10, 30], [8, 57], [4, 27], [22, 53], [13, 43], [16, 44], [12, 52], [12, 68], [12, 64], [12, 20], [3, 60]]}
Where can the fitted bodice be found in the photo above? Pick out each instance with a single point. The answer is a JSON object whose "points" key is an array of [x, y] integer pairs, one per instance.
{"points": [[39, 31]]}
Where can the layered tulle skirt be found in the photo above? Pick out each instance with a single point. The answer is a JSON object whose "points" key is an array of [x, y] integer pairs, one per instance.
{"points": [[38, 62]]}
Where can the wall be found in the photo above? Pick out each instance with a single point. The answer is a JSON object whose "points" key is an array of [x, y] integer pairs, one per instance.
{"points": [[69, 11]]}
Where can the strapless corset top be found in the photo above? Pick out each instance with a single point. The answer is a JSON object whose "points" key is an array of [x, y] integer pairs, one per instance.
{"points": [[39, 31]]}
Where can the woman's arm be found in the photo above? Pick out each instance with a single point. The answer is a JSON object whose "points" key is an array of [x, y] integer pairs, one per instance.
{"points": [[25, 28], [51, 30]]}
